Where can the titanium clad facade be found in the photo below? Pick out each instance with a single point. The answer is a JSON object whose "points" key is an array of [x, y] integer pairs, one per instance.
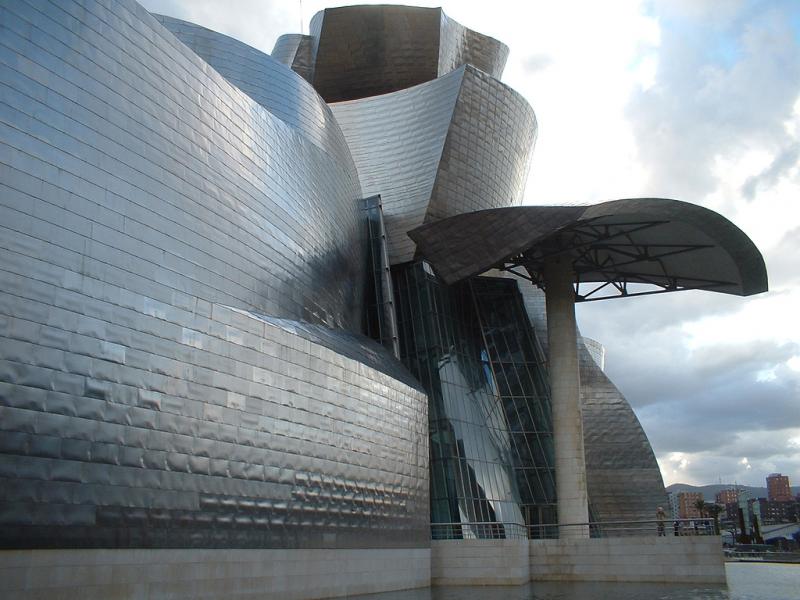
{"points": [[597, 351], [459, 45], [397, 148], [488, 151], [622, 475], [268, 82], [468, 150], [276, 440], [150, 213], [296, 51], [363, 51], [169, 188]]}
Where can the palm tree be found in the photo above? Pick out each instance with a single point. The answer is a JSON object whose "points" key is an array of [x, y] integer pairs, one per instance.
{"points": [[713, 511], [700, 505]]}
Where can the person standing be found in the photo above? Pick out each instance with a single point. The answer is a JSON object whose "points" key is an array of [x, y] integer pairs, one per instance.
{"points": [[661, 517]]}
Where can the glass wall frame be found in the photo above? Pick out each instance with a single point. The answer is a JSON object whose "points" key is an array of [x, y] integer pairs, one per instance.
{"points": [[472, 347]]}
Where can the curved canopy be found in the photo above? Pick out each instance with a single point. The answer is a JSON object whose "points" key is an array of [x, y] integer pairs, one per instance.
{"points": [[668, 244]]}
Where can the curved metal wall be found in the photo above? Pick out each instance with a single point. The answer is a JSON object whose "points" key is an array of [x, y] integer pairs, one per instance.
{"points": [[597, 351], [622, 475], [296, 51], [141, 194], [468, 149], [488, 151], [363, 51], [268, 82], [397, 147], [459, 45]]}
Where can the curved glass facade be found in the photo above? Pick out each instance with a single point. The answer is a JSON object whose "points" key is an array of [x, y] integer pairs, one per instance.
{"points": [[474, 351]]}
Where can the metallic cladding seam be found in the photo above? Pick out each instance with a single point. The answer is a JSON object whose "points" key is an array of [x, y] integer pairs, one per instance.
{"points": [[267, 81], [296, 52], [468, 150], [193, 177], [364, 51], [141, 194], [459, 45], [397, 148], [487, 155], [285, 48], [368, 51]]}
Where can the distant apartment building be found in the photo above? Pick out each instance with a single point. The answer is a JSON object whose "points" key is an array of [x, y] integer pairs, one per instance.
{"points": [[674, 508], [778, 489], [729, 500], [687, 505], [776, 512], [725, 497], [732, 512]]}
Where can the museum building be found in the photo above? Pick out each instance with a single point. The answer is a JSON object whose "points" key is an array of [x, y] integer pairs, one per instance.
{"points": [[292, 304]]}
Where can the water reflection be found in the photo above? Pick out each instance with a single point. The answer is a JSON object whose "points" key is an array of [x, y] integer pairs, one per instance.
{"points": [[562, 591]]}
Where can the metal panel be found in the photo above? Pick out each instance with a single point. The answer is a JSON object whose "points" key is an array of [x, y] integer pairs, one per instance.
{"points": [[268, 82], [623, 247], [142, 196], [397, 148], [363, 51], [459, 45], [444, 160], [296, 51]]}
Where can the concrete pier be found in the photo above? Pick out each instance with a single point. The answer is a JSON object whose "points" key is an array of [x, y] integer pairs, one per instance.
{"points": [[570, 465]]}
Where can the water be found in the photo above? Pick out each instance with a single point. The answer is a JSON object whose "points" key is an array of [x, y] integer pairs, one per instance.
{"points": [[746, 581], [754, 581]]}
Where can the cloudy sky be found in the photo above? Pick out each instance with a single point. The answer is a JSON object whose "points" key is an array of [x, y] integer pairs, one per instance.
{"points": [[689, 99]]}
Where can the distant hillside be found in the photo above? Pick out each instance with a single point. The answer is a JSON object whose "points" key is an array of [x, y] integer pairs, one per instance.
{"points": [[710, 491]]}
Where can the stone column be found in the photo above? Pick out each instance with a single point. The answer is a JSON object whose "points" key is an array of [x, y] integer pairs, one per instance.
{"points": [[573, 506]]}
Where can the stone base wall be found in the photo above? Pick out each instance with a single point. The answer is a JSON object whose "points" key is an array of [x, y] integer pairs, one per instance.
{"points": [[656, 559], [309, 574], [479, 562], [212, 574]]}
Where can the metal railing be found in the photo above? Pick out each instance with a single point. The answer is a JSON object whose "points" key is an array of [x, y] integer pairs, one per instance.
{"points": [[748, 552], [603, 529], [615, 529], [478, 531]]}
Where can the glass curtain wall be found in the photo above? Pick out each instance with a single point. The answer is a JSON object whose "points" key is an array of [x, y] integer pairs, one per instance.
{"points": [[473, 349], [379, 316]]}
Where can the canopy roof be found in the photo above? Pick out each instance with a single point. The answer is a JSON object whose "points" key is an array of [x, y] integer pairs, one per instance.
{"points": [[668, 244]]}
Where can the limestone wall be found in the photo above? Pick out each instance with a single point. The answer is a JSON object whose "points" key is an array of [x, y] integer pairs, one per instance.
{"points": [[479, 562], [668, 559], [193, 574]]}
